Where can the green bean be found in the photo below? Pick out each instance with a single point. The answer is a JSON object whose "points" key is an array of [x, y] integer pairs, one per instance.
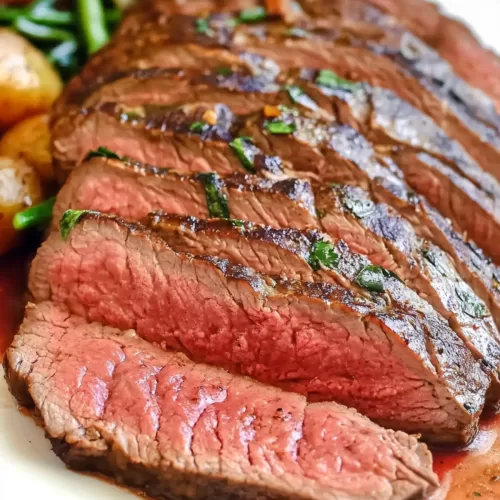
{"points": [[40, 32], [93, 24], [34, 216], [9, 14]]}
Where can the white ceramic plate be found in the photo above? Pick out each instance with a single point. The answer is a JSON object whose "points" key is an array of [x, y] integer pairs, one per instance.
{"points": [[29, 469]]}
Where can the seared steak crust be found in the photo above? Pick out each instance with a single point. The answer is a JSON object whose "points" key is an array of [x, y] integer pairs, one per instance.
{"points": [[154, 420], [237, 317]]}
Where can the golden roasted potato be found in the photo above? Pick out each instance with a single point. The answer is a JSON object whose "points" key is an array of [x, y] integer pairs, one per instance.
{"points": [[29, 140], [28, 82], [20, 187]]}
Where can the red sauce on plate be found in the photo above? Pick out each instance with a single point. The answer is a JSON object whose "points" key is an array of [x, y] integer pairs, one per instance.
{"points": [[13, 271]]}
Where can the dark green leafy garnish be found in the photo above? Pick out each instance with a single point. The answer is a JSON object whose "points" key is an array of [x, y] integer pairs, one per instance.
{"points": [[359, 208], [69, 220], [373, 278], [328, 78], [102, 152], [245, 151], [202, 26], [237, 222], [323, 254], [198, 127], [434, 257], [470, 304], [224, 71], [298, 96], [280, 128], [216, 199], [253, 15]]}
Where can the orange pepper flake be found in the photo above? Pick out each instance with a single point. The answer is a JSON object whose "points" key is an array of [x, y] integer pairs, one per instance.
{"points": [[210, 116], [272, 111]]}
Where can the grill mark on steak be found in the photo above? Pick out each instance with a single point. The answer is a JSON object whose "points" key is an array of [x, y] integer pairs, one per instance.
{"points": [[403, 58], [139, 189], [183, 445], [239, 310]]}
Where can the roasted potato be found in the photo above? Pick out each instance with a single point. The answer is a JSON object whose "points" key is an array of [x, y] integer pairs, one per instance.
{"points": [[29, 140], [28, 82], [20, 187]]}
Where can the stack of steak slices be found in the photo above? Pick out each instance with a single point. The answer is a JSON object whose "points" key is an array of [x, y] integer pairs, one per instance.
{"points": [[264, 218]]}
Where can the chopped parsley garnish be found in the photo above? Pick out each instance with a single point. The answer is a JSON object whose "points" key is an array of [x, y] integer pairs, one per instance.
{"points": [[280, 127], [202, 26], [470, 304], [359, 208], [198, 127], [245, 151], [237, 222], [435, 258], [323, 254], [253, 15], [216, 199], [373, 278], [224, 71], [102, 152], [69, 220], [328, 78], [298, 96]]}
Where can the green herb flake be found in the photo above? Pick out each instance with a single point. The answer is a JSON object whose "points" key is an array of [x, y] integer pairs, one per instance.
{"points": [[470, 304], [434, 257], [102, 152], [359, 208], [298, 96], [224, 71], [198, 127], [280, 127], [253, 15], [328, 78], [202, 25], [476, 494], [245, 151], [216, 199], [373, 278], [69, 220], [237, 222], [323, 254]]}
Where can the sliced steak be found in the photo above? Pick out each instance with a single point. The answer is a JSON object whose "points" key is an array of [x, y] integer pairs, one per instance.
{"points": [[181, 138], [401, 63], [455, 42], [314, 338], [154, 420], [313, 256], [132, 190]]}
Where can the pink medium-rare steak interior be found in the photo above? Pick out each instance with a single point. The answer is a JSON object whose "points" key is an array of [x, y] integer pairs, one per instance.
{"points": [[319, 340], [106, 392]]}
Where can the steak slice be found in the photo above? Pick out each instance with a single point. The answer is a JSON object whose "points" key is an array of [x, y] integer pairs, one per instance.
{"points": [[132, 190], [314, 338], [154, 420], [313, 256], [398, 62]]}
